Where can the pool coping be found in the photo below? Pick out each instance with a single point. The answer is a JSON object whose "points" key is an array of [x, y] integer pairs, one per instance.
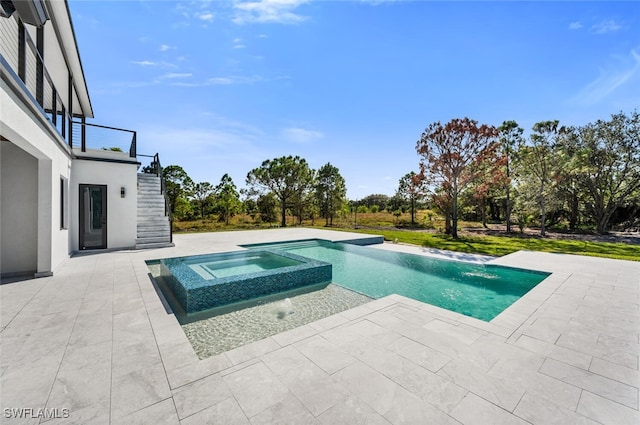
{"points": [[564, 351], [503, 325], [511, 318]]}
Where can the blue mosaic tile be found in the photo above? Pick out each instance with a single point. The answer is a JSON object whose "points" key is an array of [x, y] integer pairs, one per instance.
{"points": [[201, 282]]}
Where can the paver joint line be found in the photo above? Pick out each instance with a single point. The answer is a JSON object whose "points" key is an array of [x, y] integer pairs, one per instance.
{"points": [[581, 294]]}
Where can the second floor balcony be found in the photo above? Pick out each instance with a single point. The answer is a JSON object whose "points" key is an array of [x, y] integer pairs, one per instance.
{"points": [[93, 141], [48, 83]]}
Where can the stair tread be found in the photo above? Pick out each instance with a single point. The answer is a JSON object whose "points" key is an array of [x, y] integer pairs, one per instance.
{"points": [[151, 240], [153, 226], [155, 245]]}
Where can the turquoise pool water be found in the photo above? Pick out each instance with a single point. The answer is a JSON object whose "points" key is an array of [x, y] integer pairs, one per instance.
{"points": [[476, 290], [244, 265]]}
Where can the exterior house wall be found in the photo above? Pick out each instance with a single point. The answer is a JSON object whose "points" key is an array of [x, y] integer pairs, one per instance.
{"points": [[24, 126], [18, 210], [121, 212], [41, 173], [59, 232]]}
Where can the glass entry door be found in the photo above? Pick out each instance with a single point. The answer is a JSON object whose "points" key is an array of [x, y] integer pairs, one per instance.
{"points": [[93, 216]]}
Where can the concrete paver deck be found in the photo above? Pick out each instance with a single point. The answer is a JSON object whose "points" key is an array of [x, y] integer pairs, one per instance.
{"points": [[94, 344]]}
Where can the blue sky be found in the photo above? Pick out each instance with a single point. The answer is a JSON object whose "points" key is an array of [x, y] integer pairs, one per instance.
{"points": [[218, 87]]}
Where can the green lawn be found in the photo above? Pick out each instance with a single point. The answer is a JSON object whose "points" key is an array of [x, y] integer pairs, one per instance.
{"points": [[502, 245], [380, 223]]}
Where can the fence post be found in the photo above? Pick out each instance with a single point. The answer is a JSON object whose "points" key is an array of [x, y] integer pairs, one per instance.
{"points": [[70, 109], [133, 148], [54, 106], [83, 132], [22, 52], [40, 66]]}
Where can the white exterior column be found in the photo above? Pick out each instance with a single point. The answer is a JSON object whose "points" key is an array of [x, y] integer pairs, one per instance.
{"points": [[45, 224]]}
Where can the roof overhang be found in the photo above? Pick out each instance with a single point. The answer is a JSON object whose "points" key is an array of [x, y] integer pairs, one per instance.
{"points": [[31, 12], [60, 15]]}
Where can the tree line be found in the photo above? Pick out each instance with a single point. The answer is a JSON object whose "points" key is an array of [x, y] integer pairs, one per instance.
{"points": [[279, 187], [584, 176]]}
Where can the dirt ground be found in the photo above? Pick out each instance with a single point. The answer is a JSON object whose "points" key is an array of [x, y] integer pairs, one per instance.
{"points": [[500, 230]]}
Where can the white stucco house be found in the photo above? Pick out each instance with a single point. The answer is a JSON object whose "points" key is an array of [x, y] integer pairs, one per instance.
{"points": [[61, 192]]}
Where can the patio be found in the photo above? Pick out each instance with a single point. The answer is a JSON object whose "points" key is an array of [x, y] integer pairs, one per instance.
{"points": [[95, 341]]}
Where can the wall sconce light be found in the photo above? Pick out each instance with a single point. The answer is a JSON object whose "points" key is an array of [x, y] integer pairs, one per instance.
{"points": [[122, 192]]}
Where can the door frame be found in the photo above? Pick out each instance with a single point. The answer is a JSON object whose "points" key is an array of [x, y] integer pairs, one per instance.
{"points": [[81, 234]]}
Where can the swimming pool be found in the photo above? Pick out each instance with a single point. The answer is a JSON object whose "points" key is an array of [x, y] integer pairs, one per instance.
{"points": [[476, 290]]}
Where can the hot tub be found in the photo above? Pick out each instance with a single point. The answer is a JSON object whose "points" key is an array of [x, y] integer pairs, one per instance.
{"points": [[213, 280]]}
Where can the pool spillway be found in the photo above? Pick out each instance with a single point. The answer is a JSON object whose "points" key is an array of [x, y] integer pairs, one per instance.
{"points": [[206, 281]]}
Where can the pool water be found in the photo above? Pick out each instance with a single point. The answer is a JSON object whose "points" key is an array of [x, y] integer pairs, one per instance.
{"points": [[218, 333], [476, 290], [236, 266], [224, 328]]}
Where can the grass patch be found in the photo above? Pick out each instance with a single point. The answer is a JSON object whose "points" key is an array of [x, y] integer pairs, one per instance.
{"points": [[503, 245], [385, 224], [213, 225]]}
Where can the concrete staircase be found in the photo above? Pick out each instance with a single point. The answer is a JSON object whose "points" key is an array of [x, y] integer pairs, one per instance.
{"points": [[154, 229]]}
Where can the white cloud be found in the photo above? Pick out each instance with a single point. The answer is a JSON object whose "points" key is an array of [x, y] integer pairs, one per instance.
{"points": [[263, 36], [575, 25], [93, 22], [197, 139], [237, 43], [610, 80], [605, 27], [147, 63], [221, 121], [173, 75], [301, 135], [117, 86], [183, 10], [144, 63], [170, 78], [165, 47], [268, 11], [222, 81], [199, 11], [235, 79], [206, 16], [218, 144], [377, 2]]}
